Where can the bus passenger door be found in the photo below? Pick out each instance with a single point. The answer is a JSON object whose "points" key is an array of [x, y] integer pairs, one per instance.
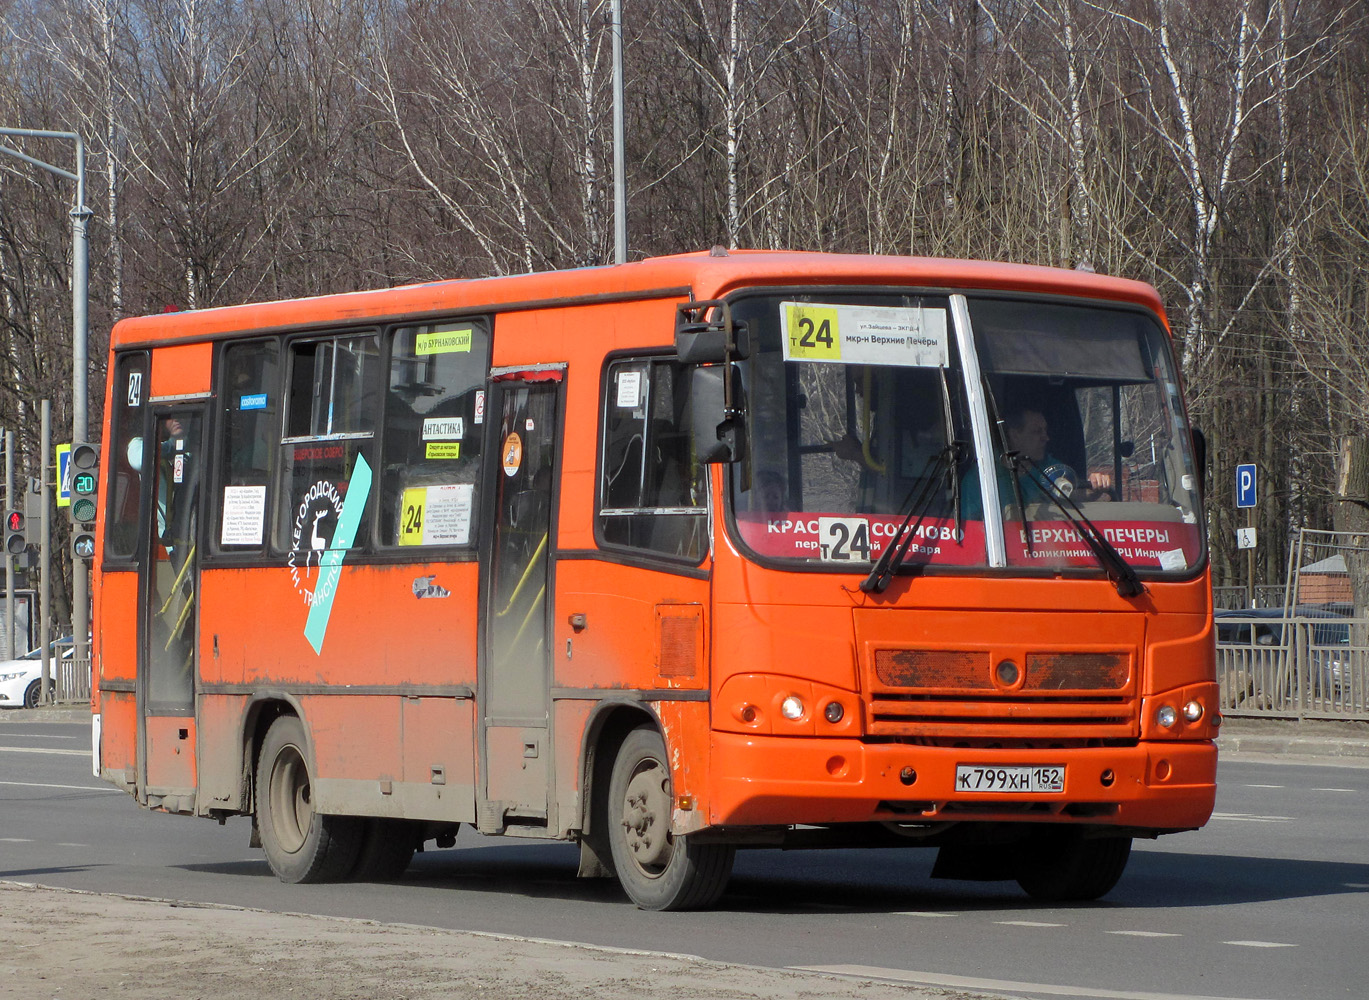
{"points": [[168, 589], [515, 669]]}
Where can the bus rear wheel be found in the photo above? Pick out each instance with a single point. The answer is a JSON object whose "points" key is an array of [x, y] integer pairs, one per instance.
{"points": [[658, 870], [1068, 868], [301, 844]]}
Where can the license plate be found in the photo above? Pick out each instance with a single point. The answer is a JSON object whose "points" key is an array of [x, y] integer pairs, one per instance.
{"points": [[1024, 779]]}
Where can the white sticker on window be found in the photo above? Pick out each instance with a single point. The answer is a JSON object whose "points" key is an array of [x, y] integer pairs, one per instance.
{"points": [[444, 428], [844, 539], [629, 390], [244, 514], [864, 335], [1173, 559], [437, 515]]}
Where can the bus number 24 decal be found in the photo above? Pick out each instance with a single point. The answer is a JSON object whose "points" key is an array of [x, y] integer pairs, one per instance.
{"points": [[844, 539]]}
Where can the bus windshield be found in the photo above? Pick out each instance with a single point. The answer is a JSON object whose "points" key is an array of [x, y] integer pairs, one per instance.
{"points": [[863, 428]]}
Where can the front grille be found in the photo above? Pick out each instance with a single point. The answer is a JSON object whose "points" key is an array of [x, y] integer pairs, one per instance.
{"points": [[953, 693]]}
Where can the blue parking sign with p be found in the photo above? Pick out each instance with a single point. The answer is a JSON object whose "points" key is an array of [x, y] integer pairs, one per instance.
{"points": [[1245, 485]]}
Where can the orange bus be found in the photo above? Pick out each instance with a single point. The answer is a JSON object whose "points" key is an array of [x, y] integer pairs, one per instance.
{"points": [[667, 559]]}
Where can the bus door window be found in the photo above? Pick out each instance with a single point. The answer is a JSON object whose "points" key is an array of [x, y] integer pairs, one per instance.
{"points": [[518, 592], [173, 562], [434, 409]]}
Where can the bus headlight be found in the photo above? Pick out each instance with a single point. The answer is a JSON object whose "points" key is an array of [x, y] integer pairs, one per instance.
{"points": [[792, 708], [1193, 710], [834, 713], [1166, 716]]}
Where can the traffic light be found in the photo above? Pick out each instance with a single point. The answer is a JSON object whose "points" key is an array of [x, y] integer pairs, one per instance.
{"points": [[16, 540], [85, 478]]}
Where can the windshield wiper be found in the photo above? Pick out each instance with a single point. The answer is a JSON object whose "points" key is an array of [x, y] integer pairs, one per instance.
{"points": [[1118, 570], [917, 502]]}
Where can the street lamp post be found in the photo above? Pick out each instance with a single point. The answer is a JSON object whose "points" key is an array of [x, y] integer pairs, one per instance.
{"points": [[80, 297]]}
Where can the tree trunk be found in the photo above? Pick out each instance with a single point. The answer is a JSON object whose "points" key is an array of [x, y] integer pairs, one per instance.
{"points": [[1352, 515]]}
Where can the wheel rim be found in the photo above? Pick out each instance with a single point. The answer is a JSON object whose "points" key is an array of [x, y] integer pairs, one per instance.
{"points": [[646, 818], [292, 807], [31, 696]]}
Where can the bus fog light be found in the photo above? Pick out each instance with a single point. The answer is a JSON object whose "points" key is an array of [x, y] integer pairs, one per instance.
{"points": [[1193, 711], [834, 713], [1166, 716], [792, 708]]}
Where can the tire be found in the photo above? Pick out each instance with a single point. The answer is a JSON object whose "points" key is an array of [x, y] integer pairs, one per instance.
{"points": [[387, 847], [301, 845], [657, 870], [32, 692], [1071, 869]]}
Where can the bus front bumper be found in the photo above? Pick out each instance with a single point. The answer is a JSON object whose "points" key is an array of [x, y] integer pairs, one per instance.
{"points": [[777, 780]]}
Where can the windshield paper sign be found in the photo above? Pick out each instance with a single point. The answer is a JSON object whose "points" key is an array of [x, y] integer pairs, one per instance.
{"points": [[864, 335], [861, 539]]}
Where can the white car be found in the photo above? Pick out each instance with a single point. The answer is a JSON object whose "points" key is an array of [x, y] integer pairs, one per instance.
{"points": [[20, 679]]}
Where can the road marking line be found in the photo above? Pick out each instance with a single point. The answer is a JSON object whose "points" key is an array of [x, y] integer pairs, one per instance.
{"points": [[15, 840], [1146, 933], [43, 784], [1357, 885], [1264, 786], [1261, 944], [996, 985], [1334, 790], [64, 753], [923, 913], [1251, 818], [1026, 923]]}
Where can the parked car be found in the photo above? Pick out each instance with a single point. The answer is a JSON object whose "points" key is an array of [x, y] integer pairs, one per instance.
{"points": [[1328, 641], [21, 679]]}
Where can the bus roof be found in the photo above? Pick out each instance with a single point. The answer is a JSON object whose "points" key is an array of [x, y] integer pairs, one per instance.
{"points": [[704, 275]]}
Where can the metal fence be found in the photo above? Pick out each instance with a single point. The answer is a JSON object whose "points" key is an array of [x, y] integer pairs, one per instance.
{"points": [[72, 681], [1269, 595], [1294, 666]]}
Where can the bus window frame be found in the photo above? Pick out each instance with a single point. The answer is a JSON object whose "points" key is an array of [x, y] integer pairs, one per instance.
{"points": [[1014, 571], [127, 562], [633, 555]]}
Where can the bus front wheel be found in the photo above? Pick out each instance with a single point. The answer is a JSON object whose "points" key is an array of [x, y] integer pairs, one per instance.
{"points": [[301, 845], [658, 870], [1069, 868]]}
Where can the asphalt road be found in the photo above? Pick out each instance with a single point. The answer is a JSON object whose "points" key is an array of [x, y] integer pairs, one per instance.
{"points": [[1269, 901]]}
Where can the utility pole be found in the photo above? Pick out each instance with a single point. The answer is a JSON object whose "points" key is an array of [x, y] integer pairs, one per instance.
{"points": [[619, 171], [10, 651], [80, 365], [45, 554]]}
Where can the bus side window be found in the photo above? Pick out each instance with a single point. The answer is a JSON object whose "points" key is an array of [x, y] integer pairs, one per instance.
{"points": [[434, 408], [250, 396], [653, 495], [331, 409]]}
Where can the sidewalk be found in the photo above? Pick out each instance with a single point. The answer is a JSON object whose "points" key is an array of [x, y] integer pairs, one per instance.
{"points": [[1278, 737], [1291, 738]]}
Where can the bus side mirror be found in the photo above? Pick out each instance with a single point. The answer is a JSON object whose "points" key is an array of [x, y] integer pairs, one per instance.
{"points": [[1200, 459], [718, 414], [705, 334]]}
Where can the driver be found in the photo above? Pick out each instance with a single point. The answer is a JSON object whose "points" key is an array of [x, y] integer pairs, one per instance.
{"points": [[1027, 433]]}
